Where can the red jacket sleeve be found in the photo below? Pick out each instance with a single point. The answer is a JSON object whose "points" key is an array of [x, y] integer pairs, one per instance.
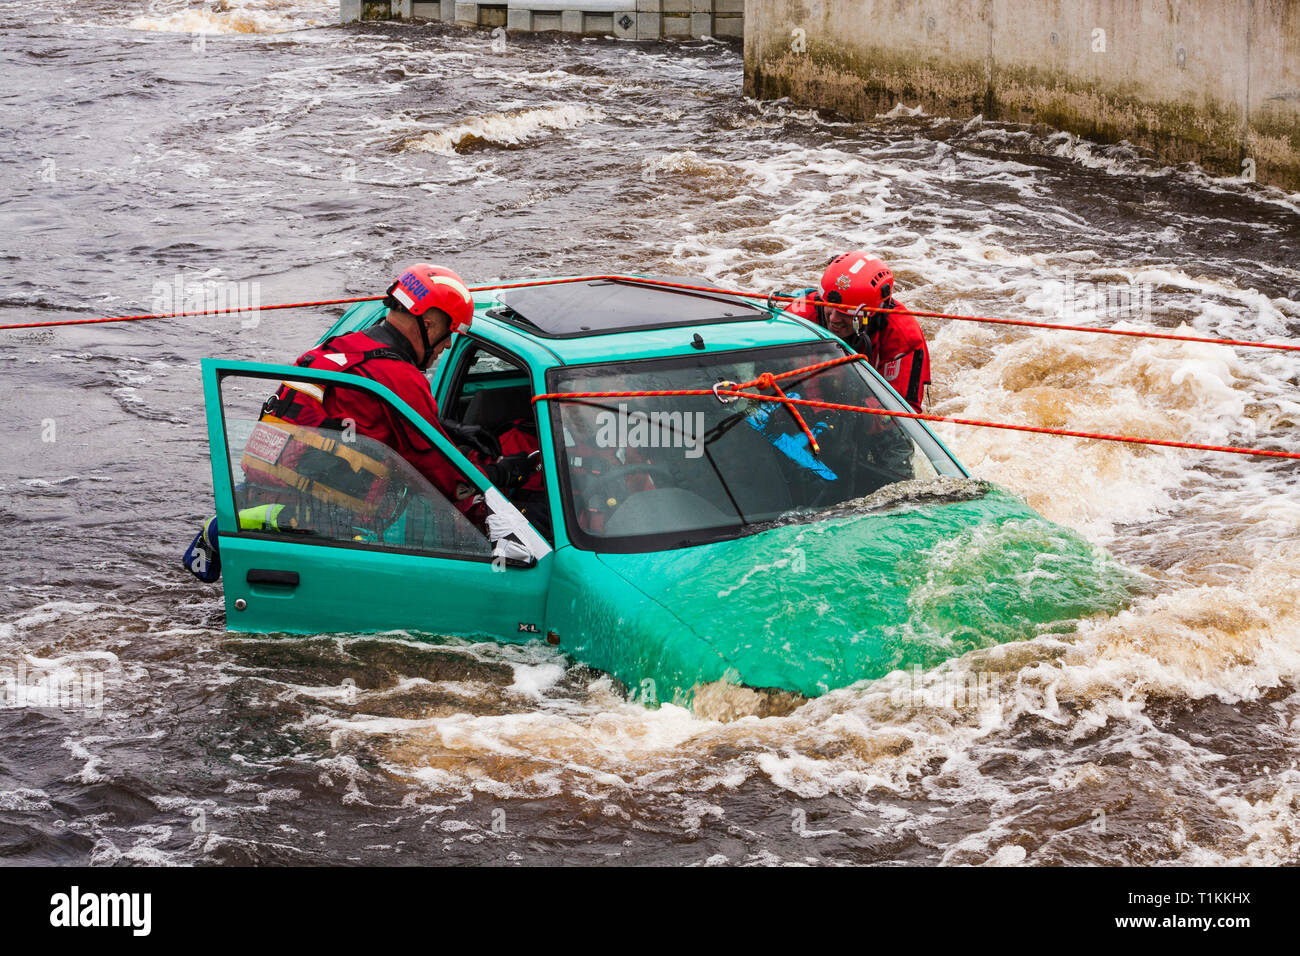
{"points": [[375, 420]]}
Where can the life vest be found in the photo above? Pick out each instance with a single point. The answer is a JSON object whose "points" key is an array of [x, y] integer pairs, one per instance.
{"points": [[287, 449]]}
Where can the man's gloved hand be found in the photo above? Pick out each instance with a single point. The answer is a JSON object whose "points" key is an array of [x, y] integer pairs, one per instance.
{"points": [[475, 437], [511, 471]]}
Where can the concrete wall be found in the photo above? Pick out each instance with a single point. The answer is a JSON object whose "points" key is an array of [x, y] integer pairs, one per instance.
{"points": [[625, 19], [1216, 82]]}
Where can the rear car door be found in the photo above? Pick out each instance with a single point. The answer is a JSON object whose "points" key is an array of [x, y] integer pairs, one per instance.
{"points": [[322, 530]]}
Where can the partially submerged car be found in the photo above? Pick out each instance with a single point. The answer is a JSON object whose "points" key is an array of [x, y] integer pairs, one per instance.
{"points": [[671, 540]]}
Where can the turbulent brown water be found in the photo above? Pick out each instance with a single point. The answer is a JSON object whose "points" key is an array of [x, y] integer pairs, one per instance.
{"points": [[314, 159]]}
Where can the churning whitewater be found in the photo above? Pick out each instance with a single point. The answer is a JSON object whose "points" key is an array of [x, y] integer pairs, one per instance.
{"points": [[257, 142]]}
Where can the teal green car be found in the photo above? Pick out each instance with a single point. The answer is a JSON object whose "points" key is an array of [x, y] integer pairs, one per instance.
{"points": [[670, 540]]}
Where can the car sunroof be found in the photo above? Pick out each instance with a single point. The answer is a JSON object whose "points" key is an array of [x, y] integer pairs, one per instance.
{"points": [[603, 306]]}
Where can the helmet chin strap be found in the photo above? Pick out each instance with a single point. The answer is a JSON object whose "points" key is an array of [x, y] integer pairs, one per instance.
{"points": [[876, 320], [427, 357], [424, 338]]}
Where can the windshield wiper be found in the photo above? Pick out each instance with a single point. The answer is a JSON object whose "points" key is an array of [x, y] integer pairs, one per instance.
{"points": [[724, 426], [725, 487]]}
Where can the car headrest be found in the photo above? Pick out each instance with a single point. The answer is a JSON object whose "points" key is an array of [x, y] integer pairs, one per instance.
{"points": [[494, 408]]}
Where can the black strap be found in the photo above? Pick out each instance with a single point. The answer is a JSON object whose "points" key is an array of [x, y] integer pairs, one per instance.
{"points": [[308, 357], [424, 337], [282, 404], [392, 354], [914, 383], [279, 405]]}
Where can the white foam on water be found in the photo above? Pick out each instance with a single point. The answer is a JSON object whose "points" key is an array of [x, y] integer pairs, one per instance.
{"points": [[66, 479], [1010, 854], [24, 800], [236, 16], [605, 88], [89, 772], [54, 611], [533, 680], [506, 128], [1163, 391]]}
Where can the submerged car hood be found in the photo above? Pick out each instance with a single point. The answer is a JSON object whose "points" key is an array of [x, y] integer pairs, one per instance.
{"points": [[915, 574]]}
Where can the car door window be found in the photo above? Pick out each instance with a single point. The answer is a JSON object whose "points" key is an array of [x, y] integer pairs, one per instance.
{"points": [[491, 390], [332, 484]]}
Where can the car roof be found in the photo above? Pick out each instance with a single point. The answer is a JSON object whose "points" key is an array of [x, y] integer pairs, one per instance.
{"points": [[603, 306], [602, 319]]}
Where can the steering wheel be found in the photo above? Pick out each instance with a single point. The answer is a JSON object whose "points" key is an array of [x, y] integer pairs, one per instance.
{"points": [[599, 491]]}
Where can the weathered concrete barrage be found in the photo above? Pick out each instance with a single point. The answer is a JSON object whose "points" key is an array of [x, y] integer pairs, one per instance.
{"points": [[1216, 82]]}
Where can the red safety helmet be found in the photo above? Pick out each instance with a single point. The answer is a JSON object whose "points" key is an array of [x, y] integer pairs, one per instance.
{"points": [[858, 281], [423, 287]]}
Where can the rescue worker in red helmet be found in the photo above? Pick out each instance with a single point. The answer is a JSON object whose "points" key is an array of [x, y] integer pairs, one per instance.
{"points": [[854, 289], [426, 305]]}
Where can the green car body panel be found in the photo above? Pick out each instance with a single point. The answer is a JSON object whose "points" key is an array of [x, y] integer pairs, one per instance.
{"points": [[813, 606], [805, 606]]}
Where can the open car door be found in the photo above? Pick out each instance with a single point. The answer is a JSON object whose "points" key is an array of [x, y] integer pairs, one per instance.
{"points": [[310, 546]]}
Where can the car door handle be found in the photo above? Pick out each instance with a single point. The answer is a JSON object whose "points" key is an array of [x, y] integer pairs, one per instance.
{"points": [[285, 579]]}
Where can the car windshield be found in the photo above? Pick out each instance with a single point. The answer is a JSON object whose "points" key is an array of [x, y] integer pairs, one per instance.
{"points": [[655, 472]]}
